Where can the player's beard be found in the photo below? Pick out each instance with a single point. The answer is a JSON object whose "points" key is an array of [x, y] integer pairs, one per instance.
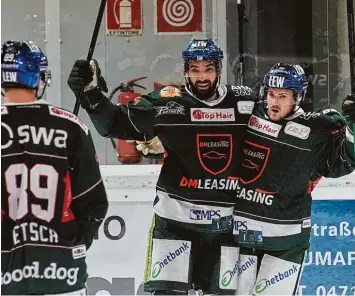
{"points": [[203, 94]]}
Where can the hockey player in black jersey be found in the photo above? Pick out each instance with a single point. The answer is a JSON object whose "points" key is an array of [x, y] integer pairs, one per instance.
{"points": [[52, 197], [199, 124], [285, 152]]}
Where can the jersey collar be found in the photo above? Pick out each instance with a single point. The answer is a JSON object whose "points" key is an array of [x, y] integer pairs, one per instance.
{"points": [[40, 101], [222, 92]]}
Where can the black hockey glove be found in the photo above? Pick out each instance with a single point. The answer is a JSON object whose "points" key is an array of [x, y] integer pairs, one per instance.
{"points": [[335, 115], [348, 109], [86, 76]]}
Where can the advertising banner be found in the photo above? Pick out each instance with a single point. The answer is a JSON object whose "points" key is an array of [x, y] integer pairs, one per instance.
{"points": [[117, 258], [330, 263]]}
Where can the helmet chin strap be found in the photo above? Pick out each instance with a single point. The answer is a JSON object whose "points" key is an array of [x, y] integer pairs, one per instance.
{"points": [[42, 93], [47, 82]]}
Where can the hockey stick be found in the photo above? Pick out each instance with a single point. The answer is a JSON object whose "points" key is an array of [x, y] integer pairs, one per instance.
{"points": [[91, 49], [241, 20], [351, 40]]}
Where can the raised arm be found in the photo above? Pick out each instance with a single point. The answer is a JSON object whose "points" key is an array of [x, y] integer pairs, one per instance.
{"points": [[132, 121]]}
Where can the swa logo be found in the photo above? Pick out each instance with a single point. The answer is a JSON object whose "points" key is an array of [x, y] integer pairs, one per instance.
{"points": [[199, 214]]}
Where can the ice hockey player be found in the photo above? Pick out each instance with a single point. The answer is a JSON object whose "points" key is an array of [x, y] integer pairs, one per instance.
{"points": [[285, 153], [199, 124], [52, 197]]}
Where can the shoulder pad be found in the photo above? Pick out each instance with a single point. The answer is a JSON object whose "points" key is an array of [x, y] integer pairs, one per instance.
{"points": [[301, 115], [309, 115], [331, 114], [322, 122]]}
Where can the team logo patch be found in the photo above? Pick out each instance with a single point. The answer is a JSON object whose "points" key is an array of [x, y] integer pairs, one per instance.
{"points": [[4, 111], [297, 130], [79, 252], [170, 92], [255, 158], [214, 152], [171, 108], [245, 107]]}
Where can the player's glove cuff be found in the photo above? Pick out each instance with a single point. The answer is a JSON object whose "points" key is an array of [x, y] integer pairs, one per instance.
{"points": [[348, 108], [91, 99], [98, 81], [154, 147], [333, 114]]}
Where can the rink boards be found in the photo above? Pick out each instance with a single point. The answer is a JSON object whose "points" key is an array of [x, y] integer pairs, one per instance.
{"points": [[116, 259]]}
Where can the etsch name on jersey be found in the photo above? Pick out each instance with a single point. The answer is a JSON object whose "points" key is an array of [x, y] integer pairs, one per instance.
{"points": [[32, 232]]}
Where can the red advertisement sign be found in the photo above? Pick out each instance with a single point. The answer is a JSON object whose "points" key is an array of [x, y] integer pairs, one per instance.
{"points": [[124, 17], [178, 16]]}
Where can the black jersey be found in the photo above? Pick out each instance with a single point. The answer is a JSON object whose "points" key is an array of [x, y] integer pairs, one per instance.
{"points": [[52, 199], [281, 164], [197, 182]]}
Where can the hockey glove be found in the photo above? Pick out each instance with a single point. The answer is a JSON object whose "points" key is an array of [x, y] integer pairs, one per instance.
{"points": [[335, 115], [151, 149], [348, 108], [87, 76]]}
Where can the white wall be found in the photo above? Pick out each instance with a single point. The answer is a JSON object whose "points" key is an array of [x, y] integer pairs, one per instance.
{"points": [[69, 25]]}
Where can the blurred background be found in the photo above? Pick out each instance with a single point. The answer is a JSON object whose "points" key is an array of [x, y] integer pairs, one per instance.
{"points": [[145, 38]]}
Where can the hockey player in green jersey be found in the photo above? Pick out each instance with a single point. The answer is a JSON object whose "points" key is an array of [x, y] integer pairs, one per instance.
{"points": [[285, 153], [52, 197], [199, 124]]}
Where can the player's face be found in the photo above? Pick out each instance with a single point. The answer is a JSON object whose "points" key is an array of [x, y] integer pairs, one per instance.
{"points": [[203, 78], [280, 103]]}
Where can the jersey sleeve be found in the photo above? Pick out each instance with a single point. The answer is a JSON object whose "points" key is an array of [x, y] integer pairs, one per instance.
{"points": [[89, 200], [335, 154], [132, 121]]}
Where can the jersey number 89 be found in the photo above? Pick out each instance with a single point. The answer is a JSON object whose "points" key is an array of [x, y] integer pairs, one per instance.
{"points": [[30, 180]]}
